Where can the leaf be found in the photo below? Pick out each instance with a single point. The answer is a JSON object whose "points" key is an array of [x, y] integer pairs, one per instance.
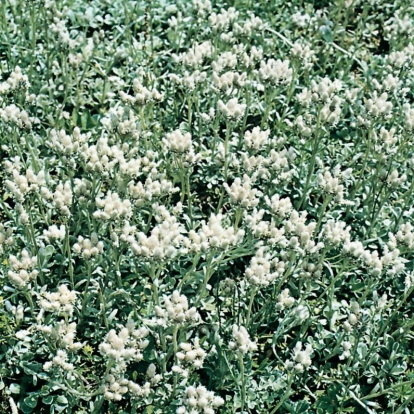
{"points": [[14, 388], [398, 369], [31, 401]]}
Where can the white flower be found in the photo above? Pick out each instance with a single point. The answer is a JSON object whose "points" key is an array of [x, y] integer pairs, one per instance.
{"points": [[241, 340]]}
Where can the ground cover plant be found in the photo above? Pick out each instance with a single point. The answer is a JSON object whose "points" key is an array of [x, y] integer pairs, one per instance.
{"points": [[206, 207]]}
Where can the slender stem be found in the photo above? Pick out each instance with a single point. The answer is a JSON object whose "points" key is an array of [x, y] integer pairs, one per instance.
{"points": [[249, 309]]}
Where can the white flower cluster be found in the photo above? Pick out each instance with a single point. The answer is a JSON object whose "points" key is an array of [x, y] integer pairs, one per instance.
{"points": [[88, 248], [19, 117], [60, 302], [61, 333], [213, 235], [300, 235], [241, 340], [117, 386], [331, 184], [6, 237], [126, 345], [371, 260], [189, 81], [243, 194], [191, 354], [181, 144], [22, 271], [404, 235], [256, 139], [378, 105], [273, 164], [63, 197], [54, 232], [66, 144], [284, 300], [101, 157], [60, 360], [199, 400], [336, 232], [178, 142], [260, 268], [228, 79], [232, 109], [121, 120], [17, 80], [346, 350], [22, 184], [195, 55], [113, 208], [164, 242], [221, 21], [176, 310], [150, 190], [275, 71], [142, 95], [304, 53], [281, 207], [301, 358]]}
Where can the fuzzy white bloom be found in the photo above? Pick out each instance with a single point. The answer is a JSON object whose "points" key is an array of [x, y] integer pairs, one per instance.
{"points": [[228, 79], [336, 232], [191, 354], [22, 184], [214, 235], [199, 400], [378, 105], [165, 241], [63, 197], [395, 180], [14, 115], [405, 235], [284, 300], [281, 207], [263, 270], [150, 190], [304, 53], [60, 360], [243, 194], [275, 71], [256, 139], [54, 232], [220, 21], [232, 109], [6, 237], [241, 340], [126, 345], [301, 358], [196, 54], [176, 310], [113, 208], [61, 333], [60, 302], [22, 271], [142, 95], [178, 142], [325, 90], [300, 234], [66, 144], [88, 248], [346, 350], [331, 184]]}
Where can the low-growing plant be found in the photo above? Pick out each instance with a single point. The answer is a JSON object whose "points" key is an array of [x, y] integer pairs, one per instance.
{"points": [[206, 207]]}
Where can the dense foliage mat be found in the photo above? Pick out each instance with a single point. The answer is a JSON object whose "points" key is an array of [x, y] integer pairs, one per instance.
{"points": [[206, 207]]}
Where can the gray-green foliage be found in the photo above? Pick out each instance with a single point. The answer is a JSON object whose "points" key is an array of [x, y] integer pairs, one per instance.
{"points": [[206, 207]]}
